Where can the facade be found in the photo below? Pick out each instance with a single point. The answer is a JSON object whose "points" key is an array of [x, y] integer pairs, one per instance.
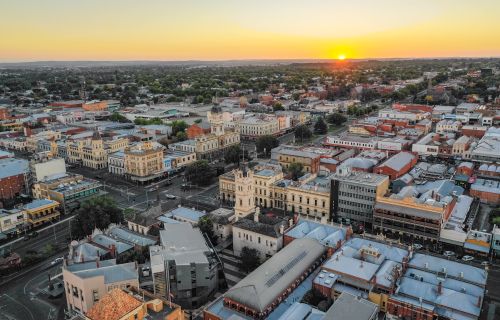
{"points": [[198, 129], [488, 191], [351, 141], [86, 283], [488, 148], [116, 163], [13, 178], [41, 211], [179, 159], [416, 212], [254, 127], [143, 162], [12, 222], [184, 266], [354, 194], [286, 155], [462, 147], [259, 232], [444, 126], [47, 168]]}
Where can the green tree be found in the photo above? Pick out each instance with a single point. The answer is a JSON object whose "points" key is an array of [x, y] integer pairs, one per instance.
{"points": [[250, 259], [197, 121], [207, 227], [266, 143], [118, 117], [278, 107], [232, 155], [336, 119], [199, 172], [97, 212], [296, 170], [178, 125], [320, 127], [181, 136], [302, 133]]}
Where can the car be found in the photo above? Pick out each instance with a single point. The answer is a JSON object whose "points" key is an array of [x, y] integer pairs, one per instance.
{"points": [[467, 258], [170, 196], [417, 246], [485, 263], [56, 261], [146, 271], [186, 186], [448, 253]]}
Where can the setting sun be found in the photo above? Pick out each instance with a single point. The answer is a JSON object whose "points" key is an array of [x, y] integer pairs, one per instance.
{"points": [[341, 57]]}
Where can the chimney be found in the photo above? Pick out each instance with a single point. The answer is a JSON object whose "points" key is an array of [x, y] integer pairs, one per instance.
{"points": [[113, 251], [97, 263], [282, 229], [82, 258], [440, 288], [136, 265]]}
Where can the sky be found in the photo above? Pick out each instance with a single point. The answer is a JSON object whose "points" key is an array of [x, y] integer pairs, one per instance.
{"points": [[34, 30]]}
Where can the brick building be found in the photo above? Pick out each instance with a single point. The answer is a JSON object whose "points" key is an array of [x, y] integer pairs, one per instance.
{"points": [[397, 165], [13, 176], [198, 129]]}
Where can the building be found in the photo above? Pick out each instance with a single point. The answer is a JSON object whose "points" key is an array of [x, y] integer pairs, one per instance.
{"points": [[488, 148], [88, 152], [183, 214], [143, 162], [351, 307], [41, 211], [432, 287], [67, 189], [133, 304], [397, 165], [184, 267], [47, 168], [95, 105], [259, 293], [222, 221], [351, 141], [286, 155], [309, 196], [257, 126], [445, 126], [198, 129], [116, 163], [416, 212], [488, 191], [260, 232], [353, 195], [13, 178], [495, 243], [178, 160], [462, 147], [12, 222], [86, 283]]}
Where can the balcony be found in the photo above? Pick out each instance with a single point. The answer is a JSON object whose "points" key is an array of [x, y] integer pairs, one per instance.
{"points": [[378, 214], [38, 218]]}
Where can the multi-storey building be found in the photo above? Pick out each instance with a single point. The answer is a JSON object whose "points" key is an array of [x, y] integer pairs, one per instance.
{"points": [[184, 266], [86, 283], [116, 163], [41, 211], [143, 162], [416, 212], [13, 178], [12, 222], [286, 155], [254, 127], [353, 195]]}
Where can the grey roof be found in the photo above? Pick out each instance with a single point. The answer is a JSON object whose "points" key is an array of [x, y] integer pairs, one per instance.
{"points": [[38, 203], [108, 242], [269, 226], [12, 167], [111, 271], [398, 161], [131, 237], [261, 287], [182, 243], [351, 307]]}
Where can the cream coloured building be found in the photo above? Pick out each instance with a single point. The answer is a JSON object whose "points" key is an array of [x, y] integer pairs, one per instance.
{"points": [[254, 127], [143, 162]]}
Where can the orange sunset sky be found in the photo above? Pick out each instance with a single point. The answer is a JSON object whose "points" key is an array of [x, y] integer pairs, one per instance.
{"points": [[232, 29]]}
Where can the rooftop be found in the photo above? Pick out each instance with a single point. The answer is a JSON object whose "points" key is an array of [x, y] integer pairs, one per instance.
{"points": [[12, 167], [350, 307], [114, 305], [38, 203], [108, 269], [398, 161], [184, 213], [261, 287], [325, 234]]}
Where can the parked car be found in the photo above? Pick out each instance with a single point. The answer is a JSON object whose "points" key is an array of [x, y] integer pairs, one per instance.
{"points": [[448, 253], [467, 258], [170, 196], [146, 271], [30, 235], [56, 261], [485, 263]]}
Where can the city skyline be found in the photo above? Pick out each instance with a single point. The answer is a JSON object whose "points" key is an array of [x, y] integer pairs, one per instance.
{"points": [[58, 30]]}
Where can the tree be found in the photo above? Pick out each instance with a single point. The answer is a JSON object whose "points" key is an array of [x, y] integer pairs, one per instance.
{"points": [[296, 170], [278, 107], [302, 133], [207, 227], [98, 212], [266, 143], [181, 136], [250, 259], [336, 119], [118, 117], [197, 121], [199, 172], [320, 127], [178, 125], [232, 155]]}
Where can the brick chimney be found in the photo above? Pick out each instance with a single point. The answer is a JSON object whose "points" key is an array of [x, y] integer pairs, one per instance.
{"points": [[440, 288], [97, 263]]}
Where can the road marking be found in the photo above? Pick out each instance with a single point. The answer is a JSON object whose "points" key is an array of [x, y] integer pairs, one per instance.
{"points": [[22, 305], [24, 289]]}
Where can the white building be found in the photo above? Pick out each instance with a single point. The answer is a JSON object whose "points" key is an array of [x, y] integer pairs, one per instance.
{"points": [[116, 163], [444, 126]]}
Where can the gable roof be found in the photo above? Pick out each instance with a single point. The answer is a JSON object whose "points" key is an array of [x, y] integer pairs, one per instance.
{"points": [[113, 306]]}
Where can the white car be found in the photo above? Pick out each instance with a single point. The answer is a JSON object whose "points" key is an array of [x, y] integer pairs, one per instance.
{"points": [[56, 261], [170, 196], [467, 258], [417, 246], [448, 253]]}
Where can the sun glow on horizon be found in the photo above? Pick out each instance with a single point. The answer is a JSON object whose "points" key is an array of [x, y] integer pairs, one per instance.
{"points": [[341, 57]]}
